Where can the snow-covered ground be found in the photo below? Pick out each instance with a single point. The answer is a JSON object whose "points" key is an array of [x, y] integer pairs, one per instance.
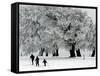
{"points": [[56, 63]]}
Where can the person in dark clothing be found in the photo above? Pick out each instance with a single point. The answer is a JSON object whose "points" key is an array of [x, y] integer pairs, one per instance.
{"points": [[32, 58], [44, 61], [37, 61]]}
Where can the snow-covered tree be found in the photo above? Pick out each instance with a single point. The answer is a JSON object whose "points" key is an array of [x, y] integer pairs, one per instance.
{"points": [[46, 28]]}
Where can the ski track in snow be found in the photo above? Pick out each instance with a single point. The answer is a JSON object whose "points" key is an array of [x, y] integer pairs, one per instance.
{"points": [[56, 63]]}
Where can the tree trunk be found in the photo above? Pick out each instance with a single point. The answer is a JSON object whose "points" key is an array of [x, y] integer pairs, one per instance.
{"points": [[53, 54], [57, 54], [78, 53], [72, 51], [93, 53], [46, 53], [41, 52]]}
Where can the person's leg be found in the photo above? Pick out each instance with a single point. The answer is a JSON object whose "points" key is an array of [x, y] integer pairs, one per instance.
{"points": [[44, 64], [38, 63], [32, 62]]}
